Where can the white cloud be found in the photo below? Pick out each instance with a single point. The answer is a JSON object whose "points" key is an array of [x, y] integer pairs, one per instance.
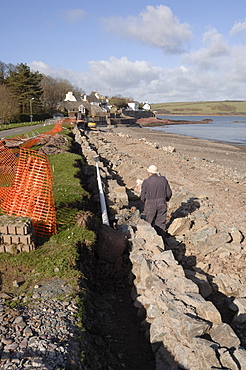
{"points": [[238, 27], [122, 72], [156, 26], [207, 57], [72, 15], [214, 72]]}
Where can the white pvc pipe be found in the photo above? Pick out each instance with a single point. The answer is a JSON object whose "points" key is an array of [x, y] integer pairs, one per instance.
{"points": [[102, 198]]}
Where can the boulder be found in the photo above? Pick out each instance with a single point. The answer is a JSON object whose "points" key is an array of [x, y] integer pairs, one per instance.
{"points": [[240, 316], [224, 335], [179, 226], [200, 236], [213, 242], [201, 281]]}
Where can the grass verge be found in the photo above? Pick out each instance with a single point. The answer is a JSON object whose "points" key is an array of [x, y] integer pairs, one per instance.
{"points": [[8, 126]]}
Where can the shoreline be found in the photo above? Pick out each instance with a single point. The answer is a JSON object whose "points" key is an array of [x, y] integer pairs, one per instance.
{"points": [[152, 122], [240, 146], [230, 156]]}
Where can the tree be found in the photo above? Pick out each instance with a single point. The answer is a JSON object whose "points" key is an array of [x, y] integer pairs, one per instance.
{"points": [[8, 106], [5, 70], [25, 85], [118, 101]]}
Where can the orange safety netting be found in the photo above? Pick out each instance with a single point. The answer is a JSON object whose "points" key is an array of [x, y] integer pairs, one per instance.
{"points": [[31, 192], [26, 183], [8, 166], [57, 128]]}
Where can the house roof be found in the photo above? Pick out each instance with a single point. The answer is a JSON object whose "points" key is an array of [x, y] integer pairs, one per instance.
{"points": [[92, 98], [74, 105]]}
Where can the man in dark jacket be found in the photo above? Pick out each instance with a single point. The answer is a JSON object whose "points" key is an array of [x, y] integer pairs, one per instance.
{"points": [[155, 194]]}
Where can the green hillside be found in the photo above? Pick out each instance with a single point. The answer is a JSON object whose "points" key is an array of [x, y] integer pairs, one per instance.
{"points": [[227, 107]]}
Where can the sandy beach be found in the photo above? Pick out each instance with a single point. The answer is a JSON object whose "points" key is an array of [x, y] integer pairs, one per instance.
{"points": [[201, 167]]}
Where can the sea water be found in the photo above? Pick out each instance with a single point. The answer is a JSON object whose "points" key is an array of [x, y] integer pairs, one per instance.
{"points": [[227, 129]]}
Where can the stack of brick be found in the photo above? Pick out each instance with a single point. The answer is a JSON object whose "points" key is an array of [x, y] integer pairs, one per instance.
{"points": [[16, 234]]}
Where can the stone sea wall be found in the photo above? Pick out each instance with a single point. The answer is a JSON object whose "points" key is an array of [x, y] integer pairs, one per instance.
{"points": [[194, 315]]}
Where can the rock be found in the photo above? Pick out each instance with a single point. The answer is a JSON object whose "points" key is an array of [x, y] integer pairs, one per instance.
{"points": [[226, 359], [205, 354], [213, 242], [226, 285], [224, 335], [19, 321], [179, 226], [236, 235], [240, 356], [200, 236], [240, 316], [111, 244], [209, 312], [201, 281]]}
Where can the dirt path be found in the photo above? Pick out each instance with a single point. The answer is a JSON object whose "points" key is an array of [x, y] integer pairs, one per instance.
{"points": [[201, 167]]}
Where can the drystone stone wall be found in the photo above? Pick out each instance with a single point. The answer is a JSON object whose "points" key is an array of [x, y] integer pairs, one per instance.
{"points": [[170, 290]]}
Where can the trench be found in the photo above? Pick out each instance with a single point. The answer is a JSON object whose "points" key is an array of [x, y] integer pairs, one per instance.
{"points": [[113, 337], [113, 329]]}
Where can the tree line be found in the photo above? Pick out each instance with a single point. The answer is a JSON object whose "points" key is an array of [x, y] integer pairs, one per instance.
{"points": [[23, 93]]}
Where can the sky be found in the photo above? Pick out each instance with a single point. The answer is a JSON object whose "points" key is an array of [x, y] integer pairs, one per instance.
{"points": [[160, 52]]}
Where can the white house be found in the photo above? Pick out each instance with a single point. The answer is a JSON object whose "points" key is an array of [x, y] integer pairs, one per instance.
{"points": [[146, 105], [133, 105], [70, 97]]}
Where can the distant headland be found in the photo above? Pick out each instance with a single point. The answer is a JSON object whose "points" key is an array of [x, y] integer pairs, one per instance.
{"points": [[201, 108]]}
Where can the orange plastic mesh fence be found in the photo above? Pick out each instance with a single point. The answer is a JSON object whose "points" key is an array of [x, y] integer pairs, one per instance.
{"points": [[57, 128], [31, 193], [8, 166]]}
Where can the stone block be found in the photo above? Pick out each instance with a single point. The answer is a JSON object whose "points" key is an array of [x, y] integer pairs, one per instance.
{"points": [[240, 355], [226, 285], [209, 312]]}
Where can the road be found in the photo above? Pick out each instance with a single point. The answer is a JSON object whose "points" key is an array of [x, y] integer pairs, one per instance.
{"points": [[19, 130]]}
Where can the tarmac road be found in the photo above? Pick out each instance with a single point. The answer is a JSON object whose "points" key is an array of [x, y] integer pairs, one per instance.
{"points": [[19, 130]]}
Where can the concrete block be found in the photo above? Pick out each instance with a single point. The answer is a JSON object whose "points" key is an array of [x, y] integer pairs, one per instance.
{"points": [[12, 229], [26, 239], [7, 239], [2, 248], [3, 229], [27, 248], [8, 248], [15, 239]]}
